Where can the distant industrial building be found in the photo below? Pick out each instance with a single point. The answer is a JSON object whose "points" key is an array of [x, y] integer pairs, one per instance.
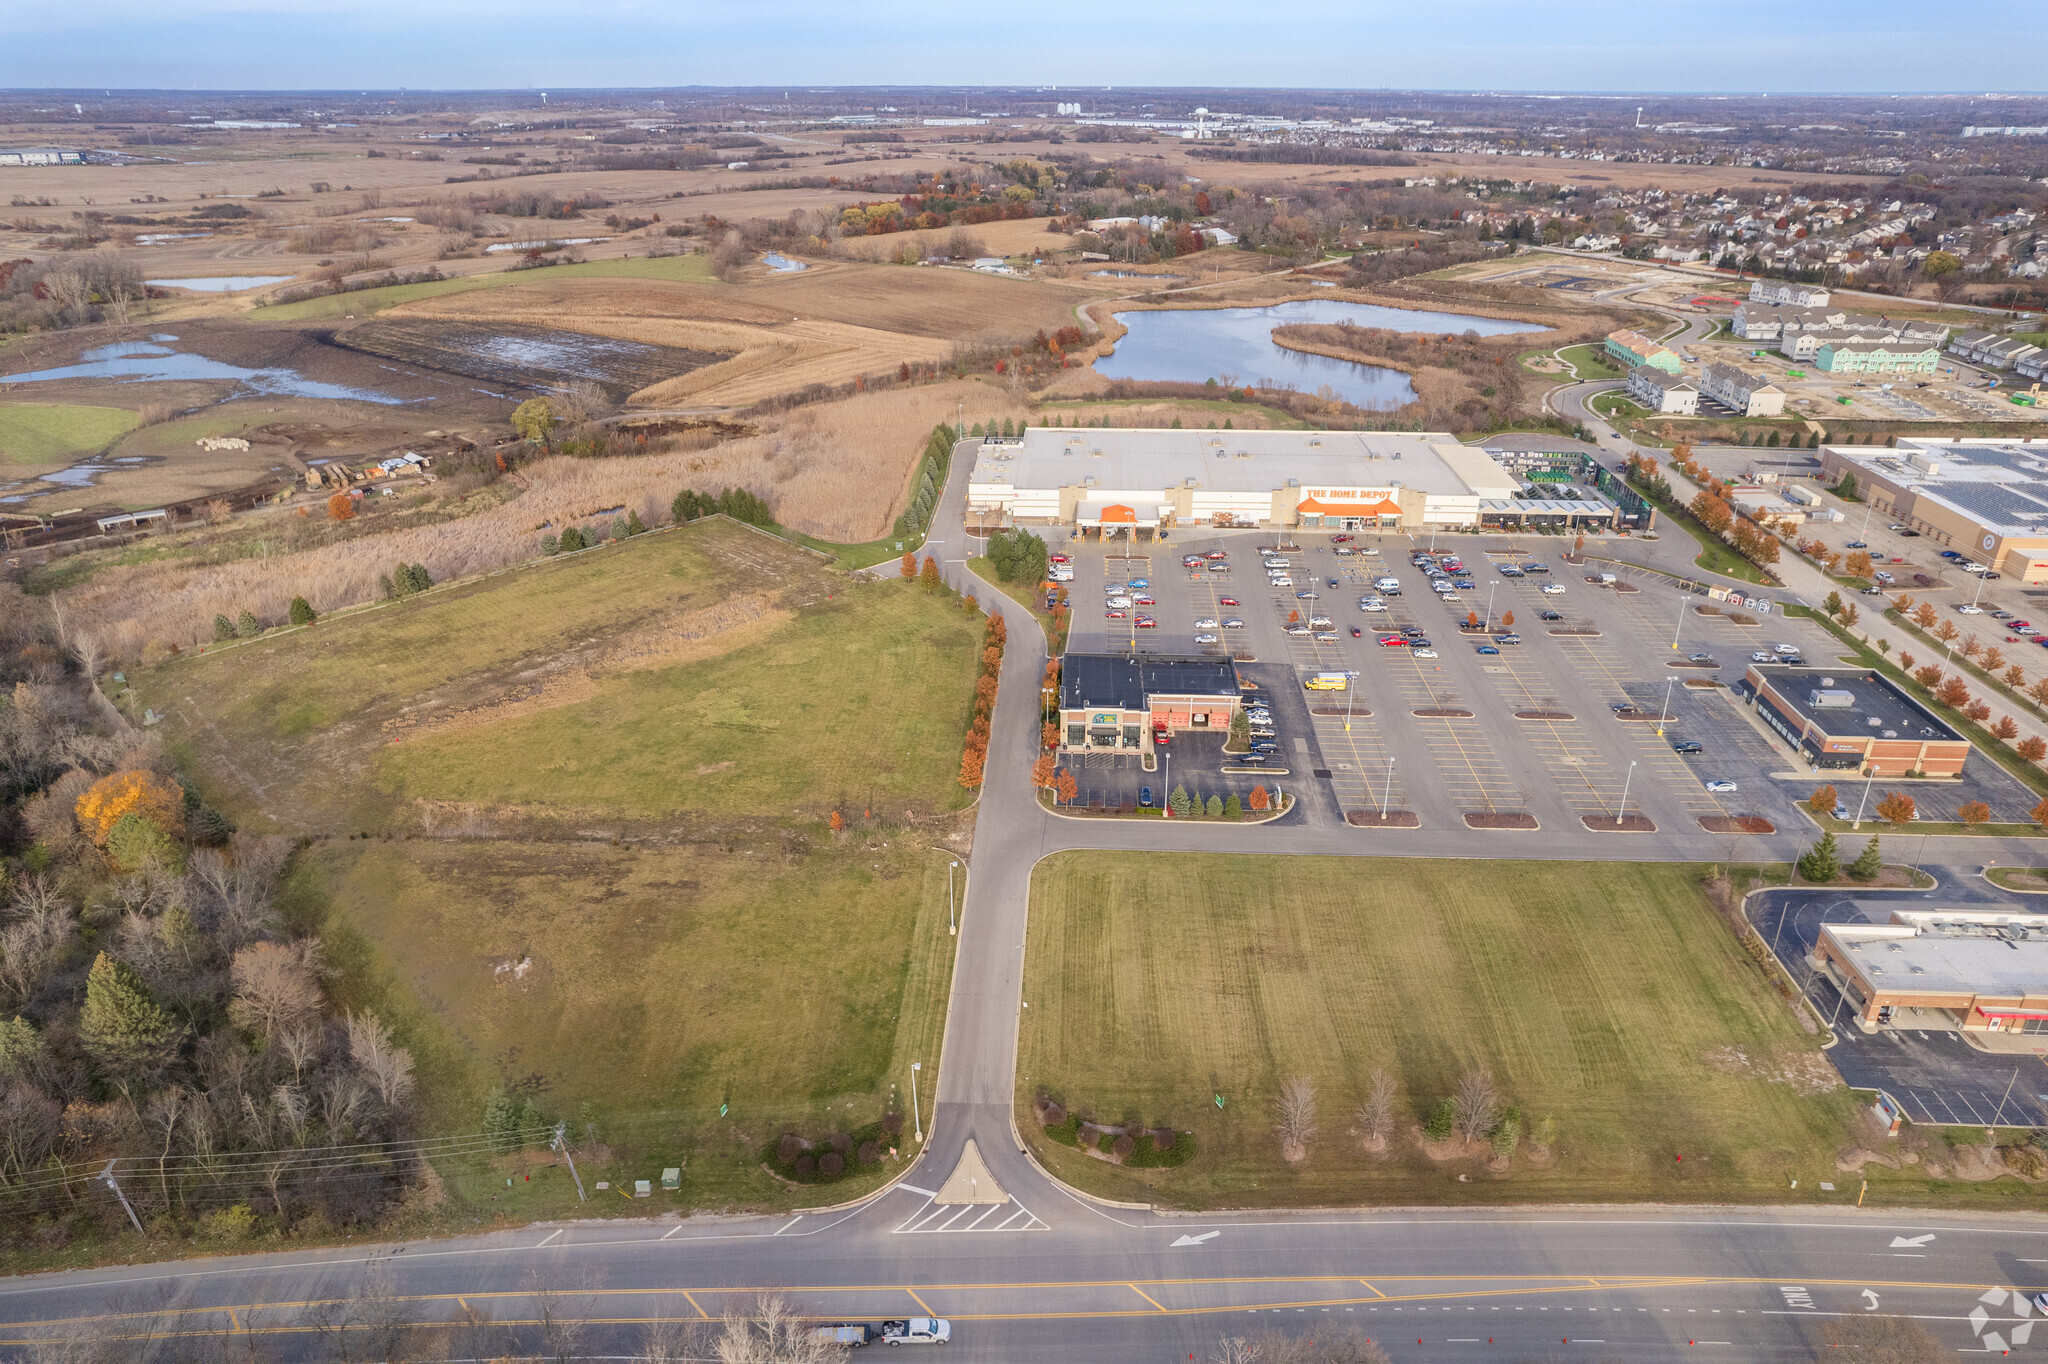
{"points": [[1113, 703], [1661, 391], [1852, 720], [1137, 482], [39, 156], [1985, 497], [1974, 970]]}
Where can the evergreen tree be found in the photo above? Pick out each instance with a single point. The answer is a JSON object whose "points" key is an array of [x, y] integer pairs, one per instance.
{"points": [[531, 1121], [619, 531], [421, 579], [301, 611], [125, 1031], [247, 626], [1820, 864], [1214, 808], [550, 544], [1233, 808], [634, 525], [1868, 863], [223, 628], [1179, 803], [501, 1120]]}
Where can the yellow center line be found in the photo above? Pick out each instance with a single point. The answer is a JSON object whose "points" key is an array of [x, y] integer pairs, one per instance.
{"points": [[1382, 1295], [699, 1306], [919, 1301], [234, 1319], [1143, 1294]]}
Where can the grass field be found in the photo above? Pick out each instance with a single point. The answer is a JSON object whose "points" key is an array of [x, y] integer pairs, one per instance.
{"points": [[701, 671], [663, 982], [1590, 360], [1608, 997], [364, 302], [1614, 406], [53, 433]]}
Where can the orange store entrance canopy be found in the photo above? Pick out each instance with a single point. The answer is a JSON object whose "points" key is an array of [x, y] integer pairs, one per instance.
{"points": [[1383, 507]]}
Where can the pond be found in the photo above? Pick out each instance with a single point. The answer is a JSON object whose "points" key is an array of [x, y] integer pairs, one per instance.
{"points": [[1192, 345], [782, 264], [220, 284], [141, 361]]}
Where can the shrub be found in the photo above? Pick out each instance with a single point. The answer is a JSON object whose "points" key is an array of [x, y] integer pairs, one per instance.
{"points": [[1123, 1146], [341, 507], [247, 626], [892, 1123], [1442, 1121], [870, 1152], [840, 1142], [1506, 1132], [1149, 1155], [806, 1166], [232, 1223], [789, 1148], [1054, 1115], [302, 611], [1067, 1133], [831, 1164], [223, 628], [550, 544]]}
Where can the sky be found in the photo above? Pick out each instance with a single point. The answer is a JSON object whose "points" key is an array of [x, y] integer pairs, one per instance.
{"points": [[1586, 45]]}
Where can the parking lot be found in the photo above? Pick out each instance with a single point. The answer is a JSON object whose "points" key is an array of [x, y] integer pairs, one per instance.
{"points": [[1529, 730]]}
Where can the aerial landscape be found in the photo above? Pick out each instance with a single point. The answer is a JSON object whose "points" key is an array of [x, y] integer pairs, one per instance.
{"points": [[565, 792]]}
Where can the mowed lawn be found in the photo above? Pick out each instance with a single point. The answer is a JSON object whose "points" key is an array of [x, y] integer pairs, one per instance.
{"points": [[51, 433], [660, 983], [1593, 993], [839, 693]]}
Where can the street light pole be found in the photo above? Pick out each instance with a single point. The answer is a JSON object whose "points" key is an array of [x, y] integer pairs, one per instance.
{"points": [[1618, 815], [1857, 823], [952, 928], [1387, 793], [916, 1115], [1489, 602], [1664, 711], [1682, 604]]}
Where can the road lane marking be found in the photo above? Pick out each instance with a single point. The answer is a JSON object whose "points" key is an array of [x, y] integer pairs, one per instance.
{"points": [[699, 1306], [912, 1188], [1375, 1290], [551, 1236], [1143, 1294], [920, 1302], [790, 1223], [672, 1232]]}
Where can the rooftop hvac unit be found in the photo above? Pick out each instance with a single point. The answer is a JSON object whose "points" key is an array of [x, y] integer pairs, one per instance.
{"points": [[1891, 734], [1830, 700], [1874, 721]]}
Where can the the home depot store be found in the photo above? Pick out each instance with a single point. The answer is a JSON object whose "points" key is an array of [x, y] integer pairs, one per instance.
{"points": [[1112, 702], [1139, 481]]}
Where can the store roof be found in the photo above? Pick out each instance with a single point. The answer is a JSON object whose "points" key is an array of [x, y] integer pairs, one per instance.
{"points": [[1128, 460], [1123, 682]]}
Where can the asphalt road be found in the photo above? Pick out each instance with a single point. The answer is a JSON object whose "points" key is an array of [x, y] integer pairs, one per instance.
{"points": [[1049, 1274]]}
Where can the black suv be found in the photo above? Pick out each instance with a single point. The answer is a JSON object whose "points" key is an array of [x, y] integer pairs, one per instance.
{"points": [[1686, 746]]}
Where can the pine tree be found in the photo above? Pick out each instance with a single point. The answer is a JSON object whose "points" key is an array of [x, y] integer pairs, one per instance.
{"points": [[1868, 863], [301, 611], [501, 1122], [550, 544], [223, 628], [247, 626], [634, 525], [1178, 802], [1233, 808], [1214, 808], [124, 1030], [531, 1121], [1820, 864]]}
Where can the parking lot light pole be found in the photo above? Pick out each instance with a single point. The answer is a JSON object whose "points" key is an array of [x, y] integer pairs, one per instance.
{"points": [[1676, 629], [1489, 602], [1624, 792], [952, 928], [1387, 793], [1857, 823], [916, 1115], [1664, 711]]}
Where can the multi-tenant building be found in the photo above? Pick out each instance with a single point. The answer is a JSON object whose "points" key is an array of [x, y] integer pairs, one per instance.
{"points": [[1855, 355], [1852, 719], [1747, 392], [1661, 391], [1785, 291], [1116, 703], [1981, 969], [1630, 349]]}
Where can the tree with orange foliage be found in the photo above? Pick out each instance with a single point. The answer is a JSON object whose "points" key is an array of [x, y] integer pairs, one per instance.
{"points": [[836, 822], [1896, 808], [908, 567], [2039, 814], [1928, 677], [1049, 735], [1261, 801], [1064, 788], [1923, 616], [103, 804], [2031, 748], [1823, 800], [1973, 813], [929, 574], [1507, 620], [341, 507], [1977, 711], [971, 760], [1042, 771], [1953, 693], [2007, 727]]}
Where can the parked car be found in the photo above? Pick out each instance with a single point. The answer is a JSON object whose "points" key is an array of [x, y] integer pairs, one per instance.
{"points": [[1488, 649], [1141, 582], [1059, 559], [1550, 615], [1146, 623], [1306, 594], [1721, 788], [1340, 539], [1393, 641], [1855, 544], [1966, 609], [1162, 737], [1320, 622], [1250, 760], [1228, 601], [1333, 582], [1208, 639], [1909, 534], [1205, 623], [1689, 747], [1372, 604], [917, 1331], [1216, 556], [1145, 797], [1509, 638], [1144, 599], [1115, 615], [1357, 633], [1424, 653], [1326, 636], [1699, 658], [1552, 589], [1233, 624]]}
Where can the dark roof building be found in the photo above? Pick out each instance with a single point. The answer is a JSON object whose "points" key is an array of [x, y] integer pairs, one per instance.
{"points": [[1852, 719], [1116, 701]]}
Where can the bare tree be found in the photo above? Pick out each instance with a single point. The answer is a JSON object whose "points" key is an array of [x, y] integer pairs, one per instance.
{"points": [[561, 1312], [385, 1065], [1478, 1105], [277, 986], [582, 403], [672, 1338], [1295, 1116], [32, 945], [1375, 1117], [301, 1045], [1236, 1350], [771, 1333], [236, 888]]}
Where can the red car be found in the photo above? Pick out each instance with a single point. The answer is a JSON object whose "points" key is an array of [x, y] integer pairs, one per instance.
{"points": [[1114, 615], [1160, 738], [1391, 641], [1058, 559], [1228, 601], [1146, 623], [1143, 601], [1340, 539], [1215, 555]]}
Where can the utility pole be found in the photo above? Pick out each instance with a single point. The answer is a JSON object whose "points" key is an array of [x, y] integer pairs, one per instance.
{"points": [[561, 1143], [108, 1175], [1619, 814], [952, 929]]}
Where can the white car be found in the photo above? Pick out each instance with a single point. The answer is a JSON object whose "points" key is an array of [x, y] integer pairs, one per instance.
{"points": [[1422, 653], [1372, 604], [1721, 788], [1119, 602], [1968, 610], [1233, 624], [917, 1331], [1205, 623], [1327, 636], [1281, 582], [1552, 589], [1297, 629], [1208, 639]]}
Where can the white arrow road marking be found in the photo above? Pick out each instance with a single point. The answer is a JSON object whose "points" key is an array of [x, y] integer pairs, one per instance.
{"points": [[1868, 1293], [1197, 1240], [912, 1188], [1911, 1242]]}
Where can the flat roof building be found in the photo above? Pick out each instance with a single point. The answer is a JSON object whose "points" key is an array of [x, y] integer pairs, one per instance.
{"points": [[1986, 970], [1113, 481], [1985, 497], [1853, 720], [1114, 702]]}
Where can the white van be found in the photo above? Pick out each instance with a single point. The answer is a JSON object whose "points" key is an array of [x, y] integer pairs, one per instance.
{"points": [[1386, 584], [1119, 602]]}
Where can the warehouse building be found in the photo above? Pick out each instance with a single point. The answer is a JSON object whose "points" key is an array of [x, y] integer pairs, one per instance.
{"points": [[1137, 482], [1987, 498], [1852, 720], [1976, 970], [1112, 703]]}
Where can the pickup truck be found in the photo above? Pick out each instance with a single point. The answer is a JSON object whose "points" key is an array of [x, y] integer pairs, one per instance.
{"points": [[917, 1331]]}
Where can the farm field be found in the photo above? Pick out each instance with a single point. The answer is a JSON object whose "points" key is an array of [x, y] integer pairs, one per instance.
{"points": [[364, 302], [702, 672], [45, 434], [1609, 998], [659, 983]]}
